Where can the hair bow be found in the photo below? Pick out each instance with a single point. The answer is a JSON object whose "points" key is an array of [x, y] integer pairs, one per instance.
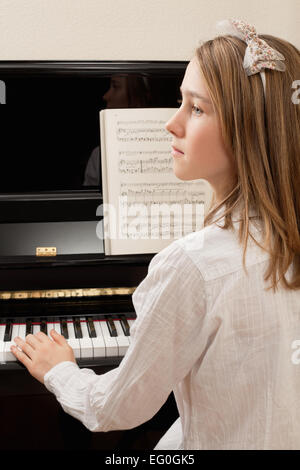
{"points": [[258, 55]]}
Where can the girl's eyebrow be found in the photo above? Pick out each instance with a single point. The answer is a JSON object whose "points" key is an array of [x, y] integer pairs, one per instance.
{"points": [[194, 94]]}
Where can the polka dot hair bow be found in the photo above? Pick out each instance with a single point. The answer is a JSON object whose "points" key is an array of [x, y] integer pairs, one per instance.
{"points": [[258, 55]]}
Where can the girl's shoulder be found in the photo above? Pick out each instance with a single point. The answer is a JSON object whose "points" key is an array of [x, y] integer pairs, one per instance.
{"points": [[216, 251]]}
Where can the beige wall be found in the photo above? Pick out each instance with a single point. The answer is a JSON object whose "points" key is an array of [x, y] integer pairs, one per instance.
{"points": [[130, 29]]}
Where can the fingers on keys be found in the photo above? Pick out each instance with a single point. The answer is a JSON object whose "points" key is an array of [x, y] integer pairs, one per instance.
{"points": [[28, 346], [58, 338], [23, 351]]}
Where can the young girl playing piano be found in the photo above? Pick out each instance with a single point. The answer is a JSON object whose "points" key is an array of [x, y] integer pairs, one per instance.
{"points": [[218, 315]]}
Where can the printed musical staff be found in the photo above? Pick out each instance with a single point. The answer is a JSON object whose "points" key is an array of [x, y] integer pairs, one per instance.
{"points": [[143, 131], [145, 162], [165, 208]]}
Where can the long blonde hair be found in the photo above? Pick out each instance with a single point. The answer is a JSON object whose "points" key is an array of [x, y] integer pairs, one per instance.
{"points": [[263, 135]]}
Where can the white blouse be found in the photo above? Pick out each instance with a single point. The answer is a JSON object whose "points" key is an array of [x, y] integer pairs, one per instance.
{"points": [[206, 330]]}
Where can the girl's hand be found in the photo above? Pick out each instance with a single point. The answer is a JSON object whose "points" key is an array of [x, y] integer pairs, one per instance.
{"points": [[39, 353]]}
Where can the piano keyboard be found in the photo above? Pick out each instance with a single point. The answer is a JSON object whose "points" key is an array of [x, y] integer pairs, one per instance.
{"points": [[91, 337]]}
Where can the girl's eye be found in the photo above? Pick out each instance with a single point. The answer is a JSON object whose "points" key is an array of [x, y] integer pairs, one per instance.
{"points": [[197, 110]]}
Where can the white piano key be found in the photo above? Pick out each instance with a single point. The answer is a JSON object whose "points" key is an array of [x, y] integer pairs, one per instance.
{"points": [[86, 345], [110, 341], [8, 355], [53, 326], [56, 327], [73, 341], [22, 331], [122, 340], [36, 329], [50, 326], [2, 331], [98, 342]]}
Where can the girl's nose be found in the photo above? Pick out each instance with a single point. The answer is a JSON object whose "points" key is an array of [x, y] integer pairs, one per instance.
{"points": [[175, 126], [106, 97]]}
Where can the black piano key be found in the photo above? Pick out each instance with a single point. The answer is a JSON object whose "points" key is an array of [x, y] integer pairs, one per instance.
{"points": [[29, 327], [111, 327], [77, 328], [44, 328], [64, 328], [91, 328], [125, 325], [8, 330]]}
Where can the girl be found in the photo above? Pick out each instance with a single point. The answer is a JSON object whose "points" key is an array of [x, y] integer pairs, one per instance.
{"points": [[208, 326]]}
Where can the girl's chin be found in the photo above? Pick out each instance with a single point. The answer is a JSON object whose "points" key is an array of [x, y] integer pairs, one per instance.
{"points": [[181, 176]]}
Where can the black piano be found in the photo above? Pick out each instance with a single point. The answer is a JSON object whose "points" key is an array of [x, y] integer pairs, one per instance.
{"points": [[53, 270]]}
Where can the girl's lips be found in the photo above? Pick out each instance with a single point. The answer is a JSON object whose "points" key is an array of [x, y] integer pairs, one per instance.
{"points": [[175, 150]]}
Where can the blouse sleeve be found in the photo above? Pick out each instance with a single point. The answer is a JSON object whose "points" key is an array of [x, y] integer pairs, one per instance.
{"points": [[170, 308]]}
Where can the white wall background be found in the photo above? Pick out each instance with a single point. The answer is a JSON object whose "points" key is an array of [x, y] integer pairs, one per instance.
{"points": [[130, 29]]}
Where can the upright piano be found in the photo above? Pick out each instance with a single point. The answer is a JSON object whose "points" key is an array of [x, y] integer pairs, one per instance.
{"points": [[53, 269]]}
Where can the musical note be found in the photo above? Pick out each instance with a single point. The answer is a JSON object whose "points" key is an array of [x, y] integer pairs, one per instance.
{"points": [[145, 162], [145, 133]]}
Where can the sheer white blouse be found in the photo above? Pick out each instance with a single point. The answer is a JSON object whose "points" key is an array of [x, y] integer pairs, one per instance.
{"points": [[212, 334]]}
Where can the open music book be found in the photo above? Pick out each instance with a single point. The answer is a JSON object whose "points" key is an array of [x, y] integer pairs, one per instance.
{"points": [[145, 206]]}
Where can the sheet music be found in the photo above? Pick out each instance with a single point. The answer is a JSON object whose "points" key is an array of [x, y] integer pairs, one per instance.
{"points": [[152, 205]]}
